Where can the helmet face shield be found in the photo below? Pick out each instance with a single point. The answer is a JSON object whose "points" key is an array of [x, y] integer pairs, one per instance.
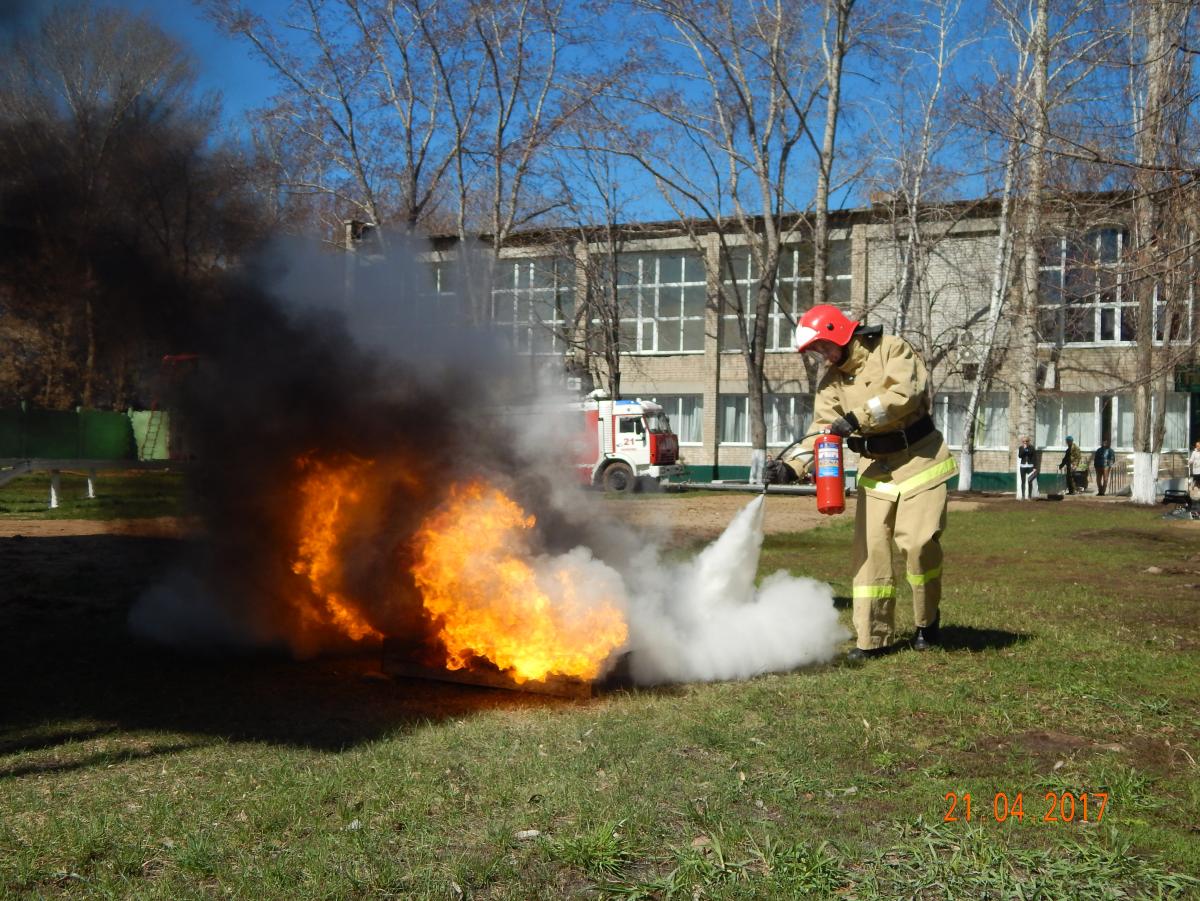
{"points": [[824, 323], [805, 336]]}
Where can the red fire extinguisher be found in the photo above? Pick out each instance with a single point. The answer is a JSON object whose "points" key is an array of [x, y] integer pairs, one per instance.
{"points": [[830, 476]]}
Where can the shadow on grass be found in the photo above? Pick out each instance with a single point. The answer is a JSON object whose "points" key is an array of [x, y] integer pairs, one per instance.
{"points": [[72, 673], [968, 638], [101, 758], [960, 638]]}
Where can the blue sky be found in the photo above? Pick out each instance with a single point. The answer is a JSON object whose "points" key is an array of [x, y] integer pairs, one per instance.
{"points": [[223, 64], [228, 67]]}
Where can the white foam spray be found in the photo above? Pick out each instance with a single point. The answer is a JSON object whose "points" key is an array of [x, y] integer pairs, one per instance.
{"points": [[705, 620]]}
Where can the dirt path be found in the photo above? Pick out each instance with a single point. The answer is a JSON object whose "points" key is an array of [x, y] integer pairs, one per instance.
{"points": [[683, 520], [679, 520], [158, 527]]}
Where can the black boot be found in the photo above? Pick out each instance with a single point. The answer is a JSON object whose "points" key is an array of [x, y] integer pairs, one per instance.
{"points": [[861, 655], [928, 636]]}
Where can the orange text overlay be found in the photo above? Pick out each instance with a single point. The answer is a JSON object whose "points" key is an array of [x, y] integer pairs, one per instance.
{"points": [[1048, 807]]}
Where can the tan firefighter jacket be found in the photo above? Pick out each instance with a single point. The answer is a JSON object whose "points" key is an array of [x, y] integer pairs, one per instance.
{"points": [[882, 382]]}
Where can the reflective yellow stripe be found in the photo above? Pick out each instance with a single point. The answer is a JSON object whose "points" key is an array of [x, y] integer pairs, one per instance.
{"points": [[885, 487], [939, 469], [922, 578], [928, 475], [874, 591]]}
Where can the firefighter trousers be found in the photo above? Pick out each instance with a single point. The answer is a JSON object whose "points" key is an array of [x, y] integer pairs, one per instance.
{"points": [[915, 523]]}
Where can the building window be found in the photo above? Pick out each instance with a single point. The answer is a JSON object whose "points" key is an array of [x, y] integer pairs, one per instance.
{"points": [[661, 297], [734, 425], [1175, 437], [793, 291], [431, 294], [991, 419], [534, 299], [1066, 414], [1083, 298], [686, 412], [1090, 419], [786, 417]]}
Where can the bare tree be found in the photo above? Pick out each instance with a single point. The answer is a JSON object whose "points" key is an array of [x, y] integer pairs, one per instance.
{"points": [[593, 238], [1147, 149], [835, 44], [413, 113], [911, 145], [721, 143], [362, 96], [532, 85], [105, 155], [1161, 94]]}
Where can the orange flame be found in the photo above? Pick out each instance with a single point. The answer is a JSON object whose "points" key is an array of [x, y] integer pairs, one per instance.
{"points": [[472, 572], [326, 492]]}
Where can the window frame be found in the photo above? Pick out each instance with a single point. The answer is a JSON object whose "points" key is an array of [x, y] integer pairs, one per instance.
{"points": [[522, 285], [1102, 271], [672, 405], [644, 294], [772, 424], [941, 414], [795, 258]]}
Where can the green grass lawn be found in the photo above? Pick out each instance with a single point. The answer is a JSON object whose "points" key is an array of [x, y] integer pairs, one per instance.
{"points": [[132, 772], [119, 495]]}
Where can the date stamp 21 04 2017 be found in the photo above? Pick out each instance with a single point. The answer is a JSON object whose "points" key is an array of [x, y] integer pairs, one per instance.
{"points": [[1054, 807]]}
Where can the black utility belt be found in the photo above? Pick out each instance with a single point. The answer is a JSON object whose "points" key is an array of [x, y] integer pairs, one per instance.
{"points": [[891, 442]]}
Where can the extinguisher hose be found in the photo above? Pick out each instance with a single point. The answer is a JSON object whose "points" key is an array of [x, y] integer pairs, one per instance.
{"points": [[780, 455]]}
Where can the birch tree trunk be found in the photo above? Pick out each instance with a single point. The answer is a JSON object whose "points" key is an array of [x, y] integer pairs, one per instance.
{"points": [[1159, 21], [1002, 262], [835, 55], [1025, 322]]}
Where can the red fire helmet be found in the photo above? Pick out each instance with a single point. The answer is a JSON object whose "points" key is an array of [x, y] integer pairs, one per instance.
{"points": [[824, 322]]}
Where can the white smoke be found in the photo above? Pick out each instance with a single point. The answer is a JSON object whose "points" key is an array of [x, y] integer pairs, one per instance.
{"points": [[704, 619]]}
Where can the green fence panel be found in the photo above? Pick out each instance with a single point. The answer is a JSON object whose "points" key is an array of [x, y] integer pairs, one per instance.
{"points": [[63, 435], [12, 434], [105, 436], [51, 434]]}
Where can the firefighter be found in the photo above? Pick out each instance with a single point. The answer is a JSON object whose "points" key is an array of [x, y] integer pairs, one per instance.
{"points": [[873, 394]]}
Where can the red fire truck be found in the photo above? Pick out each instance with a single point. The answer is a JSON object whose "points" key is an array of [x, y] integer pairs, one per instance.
{"points": [[623, 441]]}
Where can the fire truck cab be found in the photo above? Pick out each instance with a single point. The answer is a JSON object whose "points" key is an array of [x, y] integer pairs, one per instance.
{"points": [[623, 441]]}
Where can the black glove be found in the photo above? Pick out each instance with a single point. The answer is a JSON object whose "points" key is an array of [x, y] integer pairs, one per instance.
{"points": [[776, 472], [844, 425]]}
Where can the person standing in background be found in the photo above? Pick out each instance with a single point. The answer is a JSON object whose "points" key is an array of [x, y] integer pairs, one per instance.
{"points": [[1103, 459], [1194, 465], [1026, 470], [1070, 462]]}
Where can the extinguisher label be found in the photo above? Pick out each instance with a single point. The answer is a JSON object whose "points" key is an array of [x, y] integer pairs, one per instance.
{"points": [[827, 461]]}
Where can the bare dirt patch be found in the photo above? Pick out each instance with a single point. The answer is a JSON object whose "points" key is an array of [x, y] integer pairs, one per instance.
{"points": [[155, 527], [687, 519], [1056, 743], [683, 520]]}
